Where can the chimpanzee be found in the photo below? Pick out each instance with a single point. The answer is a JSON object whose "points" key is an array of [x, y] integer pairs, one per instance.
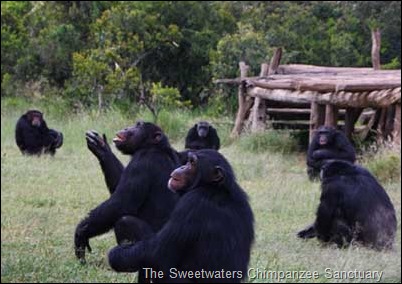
{"points": [[202, 136], [33, 137], [353, 207], [138, 191], [210, 230], [328, 144]]}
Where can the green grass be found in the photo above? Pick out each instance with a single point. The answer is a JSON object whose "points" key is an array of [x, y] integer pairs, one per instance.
{"points": [[43, 199]]}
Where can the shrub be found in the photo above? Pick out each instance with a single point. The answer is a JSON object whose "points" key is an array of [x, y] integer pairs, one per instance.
{"points": [[384, 163], [274, 141]]}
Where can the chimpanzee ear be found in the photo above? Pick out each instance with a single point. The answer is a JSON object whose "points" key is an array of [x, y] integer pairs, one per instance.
{"points": [[158, 137], [219, 175]]}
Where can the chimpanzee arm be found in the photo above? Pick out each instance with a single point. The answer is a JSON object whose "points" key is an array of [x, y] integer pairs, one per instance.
{"points": [[312, 147], [215, 142], [192, 136], [19, 136], [165, 249], [327, 210], [132, 186], [112, 168]]}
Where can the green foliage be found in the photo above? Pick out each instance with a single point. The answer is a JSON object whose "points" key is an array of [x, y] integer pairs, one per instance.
{"points": [[271, 141], [164, 97], [385, 164], [104, 52]]}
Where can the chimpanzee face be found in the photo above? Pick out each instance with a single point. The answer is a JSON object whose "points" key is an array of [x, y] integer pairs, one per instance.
{"points": [[141, 134], [197, 171], [325, 135], [35, 118], [202, 129]]}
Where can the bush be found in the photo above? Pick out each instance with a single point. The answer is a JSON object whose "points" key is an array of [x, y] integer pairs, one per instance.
{"points": [[273, 141], [385, 165]]}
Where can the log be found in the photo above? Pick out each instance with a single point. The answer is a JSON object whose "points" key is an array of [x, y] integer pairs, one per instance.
{"points": [[302, 68], [317, 118], [328, 85], [258, 114], [243, 105], [352, 115], [397, 125], [331, 116], [375, 48], [341, 99], [259, 110]]}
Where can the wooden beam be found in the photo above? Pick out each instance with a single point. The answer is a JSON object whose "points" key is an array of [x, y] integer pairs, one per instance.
{"points": [[341, 99], [322, 85], [352, 115], [259, 115], [317, 118], [331, 115], [241, 96], [375, 48], [397, 125]]}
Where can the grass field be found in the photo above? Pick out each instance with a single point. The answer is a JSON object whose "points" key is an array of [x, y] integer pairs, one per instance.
{"points": [[43, 199]]}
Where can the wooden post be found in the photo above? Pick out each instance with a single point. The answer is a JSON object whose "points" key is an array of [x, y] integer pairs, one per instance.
{"points": [[352, 115], [331, 115], [317, 118], [397, 125], [258, 115], [259, 109], [241, 97], [375, 48]]}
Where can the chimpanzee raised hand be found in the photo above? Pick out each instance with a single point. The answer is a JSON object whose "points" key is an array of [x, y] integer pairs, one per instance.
{"points": [[137, 192]]}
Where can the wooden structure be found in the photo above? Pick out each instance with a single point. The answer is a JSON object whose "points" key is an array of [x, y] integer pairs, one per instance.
{"points": [[323, 95]]}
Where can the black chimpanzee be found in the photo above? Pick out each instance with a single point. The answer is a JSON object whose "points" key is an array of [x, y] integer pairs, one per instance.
{"points": [[202, 136], [137, 192], [33, 137], [210, 230], [328, 144], [353, 207]]}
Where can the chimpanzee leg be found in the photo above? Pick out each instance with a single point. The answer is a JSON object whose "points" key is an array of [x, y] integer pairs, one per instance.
{"points": [[130, 229], [342, 233]]}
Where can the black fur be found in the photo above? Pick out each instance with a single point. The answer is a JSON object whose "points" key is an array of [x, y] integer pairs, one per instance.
{"points": [[35, 140], [138, 191], [337, 148], [353, 207], [195, 141], [210, 229]]}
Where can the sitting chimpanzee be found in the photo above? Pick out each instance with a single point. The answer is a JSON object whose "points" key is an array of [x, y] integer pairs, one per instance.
{"points": [[210, 229], [353, 207], [328, 144], [202, 136], [139, 191], [33, 137]]}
